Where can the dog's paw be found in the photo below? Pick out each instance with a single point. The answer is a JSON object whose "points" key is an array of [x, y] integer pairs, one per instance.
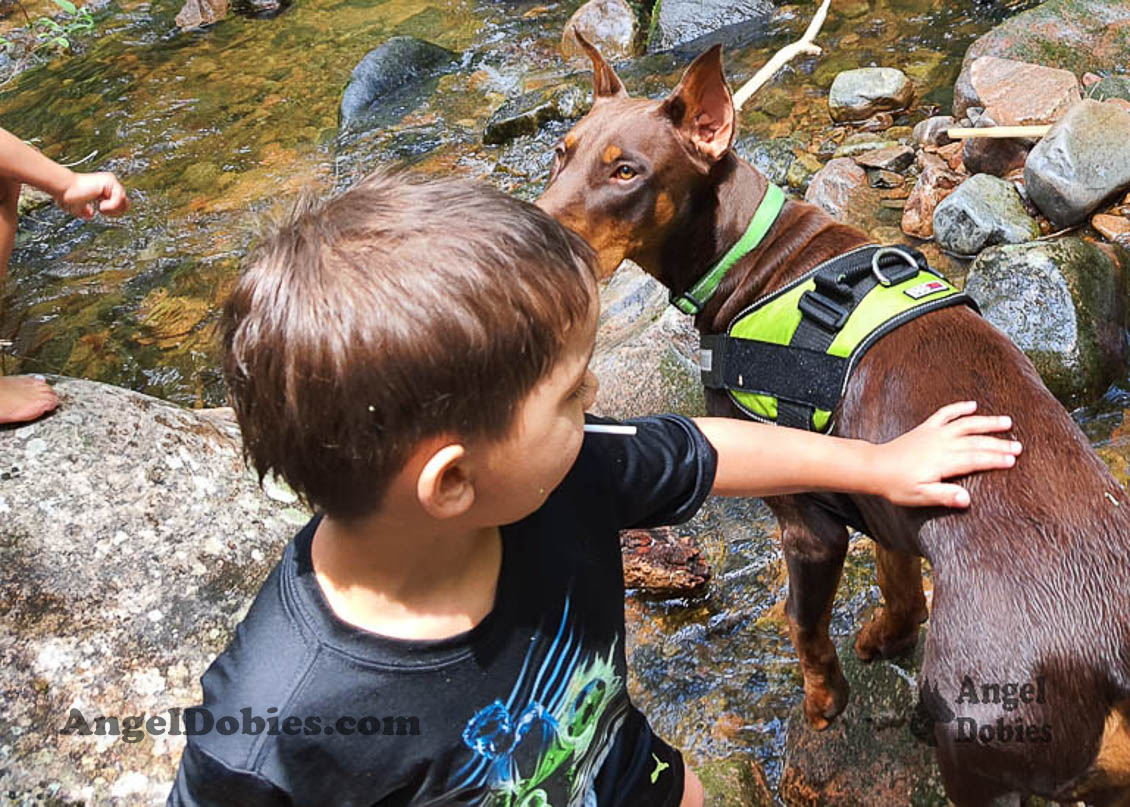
{"points": [[823, 703]]}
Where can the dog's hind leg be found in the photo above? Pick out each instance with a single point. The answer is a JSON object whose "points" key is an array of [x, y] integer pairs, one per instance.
{"points": [[893, 629], [814, 546]]}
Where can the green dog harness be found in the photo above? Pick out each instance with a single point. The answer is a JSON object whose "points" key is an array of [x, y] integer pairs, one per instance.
{"points": [[788, 357]]}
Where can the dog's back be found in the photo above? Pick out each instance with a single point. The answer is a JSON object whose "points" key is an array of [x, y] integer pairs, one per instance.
{"points": [[1032, 583]]}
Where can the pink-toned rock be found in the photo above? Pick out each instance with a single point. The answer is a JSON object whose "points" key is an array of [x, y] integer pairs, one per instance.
{"points": [[1021, 94], [608, 24], [197, 13], [892, 158], [1112, 228], [1090, 79], [935, 182], [841, 188], [1121, 103]]}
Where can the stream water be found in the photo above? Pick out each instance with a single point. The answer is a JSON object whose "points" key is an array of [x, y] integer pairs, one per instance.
{"points": [[209, 129]]}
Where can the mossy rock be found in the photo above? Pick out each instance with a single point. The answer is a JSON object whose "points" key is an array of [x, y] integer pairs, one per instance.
{"points": [[733, 781]]}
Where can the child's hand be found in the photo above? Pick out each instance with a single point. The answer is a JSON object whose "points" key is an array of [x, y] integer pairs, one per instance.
{"points": [[87, 189], [946, 445]]}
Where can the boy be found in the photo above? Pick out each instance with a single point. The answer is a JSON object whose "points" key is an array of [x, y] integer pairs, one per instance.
{"points": [[24, 398], [412, 358]]}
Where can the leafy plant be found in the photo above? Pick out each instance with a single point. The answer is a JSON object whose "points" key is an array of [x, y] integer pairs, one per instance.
{"points": [[58, 35]]}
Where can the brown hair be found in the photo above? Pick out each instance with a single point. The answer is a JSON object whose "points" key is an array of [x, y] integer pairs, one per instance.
{"points": [[398, 310]]}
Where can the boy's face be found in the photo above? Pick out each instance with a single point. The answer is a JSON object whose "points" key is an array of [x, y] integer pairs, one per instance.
{"points": [[522, 469]]}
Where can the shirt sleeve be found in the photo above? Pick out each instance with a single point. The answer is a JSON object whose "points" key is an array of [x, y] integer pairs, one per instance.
{"points": [[204, 781], [659, 476]]}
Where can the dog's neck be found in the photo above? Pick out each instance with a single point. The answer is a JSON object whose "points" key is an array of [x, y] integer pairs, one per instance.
{"points": [[802, 237]]}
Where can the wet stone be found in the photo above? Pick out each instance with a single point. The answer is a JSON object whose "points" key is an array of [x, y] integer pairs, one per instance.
{"points": [[388, 70], [841, 188], [610, 25], [983, 211], [527, 113], [773, 158], [1063, 303], [932, 131], [858, 94], [892, 158], [679, 22]]}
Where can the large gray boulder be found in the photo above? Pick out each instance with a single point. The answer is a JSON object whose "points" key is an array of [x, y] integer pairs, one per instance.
{"points": [[678, 22], [132, 540], [1062, 303], [983, 211], [1081, 162], [391, 68]]}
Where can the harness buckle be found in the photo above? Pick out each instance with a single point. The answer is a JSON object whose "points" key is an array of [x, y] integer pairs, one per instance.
{"points": [[899, 273], [826, 313]]}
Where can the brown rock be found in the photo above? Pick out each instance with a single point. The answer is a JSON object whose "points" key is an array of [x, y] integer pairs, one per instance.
{"points": [[935, 183], [841, 188], [1020, 94], [953, 153], [197, 13], [894, 158], [886, 179], [1112, 228], [660, 563], [988, 155]]}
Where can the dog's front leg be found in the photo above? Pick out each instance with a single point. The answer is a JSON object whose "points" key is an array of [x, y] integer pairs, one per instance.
{"points": [[814, 546]]}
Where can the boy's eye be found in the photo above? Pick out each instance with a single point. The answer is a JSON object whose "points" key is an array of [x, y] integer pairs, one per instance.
{"points": [[625, 172]]}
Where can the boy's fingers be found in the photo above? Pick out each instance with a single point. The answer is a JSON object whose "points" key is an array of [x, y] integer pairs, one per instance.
{"points": [[116, 200], [975, 461], [951, 412], [977, 442], [942, 494], [982, 424]]}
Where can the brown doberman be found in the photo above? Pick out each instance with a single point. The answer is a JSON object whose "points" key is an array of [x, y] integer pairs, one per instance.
{"points": [[1026, 676]]}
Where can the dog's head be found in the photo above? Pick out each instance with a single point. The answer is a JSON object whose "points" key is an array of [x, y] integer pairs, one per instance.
{"points": [[621, 175]]}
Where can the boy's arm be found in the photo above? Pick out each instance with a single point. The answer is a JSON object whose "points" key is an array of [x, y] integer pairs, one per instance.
{"points": [[756, 459], [73, 192]]}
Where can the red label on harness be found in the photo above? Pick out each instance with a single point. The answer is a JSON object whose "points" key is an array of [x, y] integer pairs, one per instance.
{"points": [[926, 289]]}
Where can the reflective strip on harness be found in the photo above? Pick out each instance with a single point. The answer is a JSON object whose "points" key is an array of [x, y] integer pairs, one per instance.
{"points": [[778, 372]]}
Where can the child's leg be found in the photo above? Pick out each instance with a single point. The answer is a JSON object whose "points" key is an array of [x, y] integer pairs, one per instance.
{"points": [[22, 398], [693, 794]]}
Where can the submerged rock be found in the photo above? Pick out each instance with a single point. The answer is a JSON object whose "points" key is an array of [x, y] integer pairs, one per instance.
{"points": [[859, 94], [874, 752], [198, 13], [132, 539], [1062, 303], [773, 158], [390, 68], [1075, 35], [983, 211], [736, 780], [1080, 163], [678, 22], [610, 25], [527, 113]]}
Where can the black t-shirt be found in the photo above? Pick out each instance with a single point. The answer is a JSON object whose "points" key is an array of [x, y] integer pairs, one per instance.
{"points": [[527, 709]]}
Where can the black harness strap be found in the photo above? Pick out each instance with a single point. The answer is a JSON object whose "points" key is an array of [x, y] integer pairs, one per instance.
{"points": [[796, 373]]}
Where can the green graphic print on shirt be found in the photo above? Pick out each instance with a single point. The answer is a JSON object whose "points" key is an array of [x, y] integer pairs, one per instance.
{"points": [[544, 746]]}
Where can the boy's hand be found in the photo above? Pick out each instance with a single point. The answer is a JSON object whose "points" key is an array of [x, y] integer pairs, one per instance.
{"points": [[911, 467], [85, 190]]}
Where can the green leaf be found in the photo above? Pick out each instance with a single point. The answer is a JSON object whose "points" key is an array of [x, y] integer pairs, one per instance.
{"points": [[62, 42], [67, 6]]}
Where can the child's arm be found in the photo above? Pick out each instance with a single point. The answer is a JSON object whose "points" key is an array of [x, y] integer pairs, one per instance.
{"points": [[75, 193], [755, 459]]}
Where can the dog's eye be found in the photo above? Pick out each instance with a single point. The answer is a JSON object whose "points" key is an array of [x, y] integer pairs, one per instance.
{"points": [[625, 172]]}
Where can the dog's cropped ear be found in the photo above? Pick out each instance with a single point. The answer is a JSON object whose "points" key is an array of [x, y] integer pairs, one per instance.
{"points": [[702, 106], [606, 84]]}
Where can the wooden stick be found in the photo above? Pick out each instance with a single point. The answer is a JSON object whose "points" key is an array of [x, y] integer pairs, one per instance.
{"points": [[999, 132], [786, 54]]}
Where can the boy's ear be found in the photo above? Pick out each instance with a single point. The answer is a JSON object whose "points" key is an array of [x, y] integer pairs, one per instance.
{"points": [[444, 487], [702, 107], [605, 82]]}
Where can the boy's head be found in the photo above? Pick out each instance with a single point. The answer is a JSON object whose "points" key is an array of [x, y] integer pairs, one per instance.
{"points": [[399, 312]]}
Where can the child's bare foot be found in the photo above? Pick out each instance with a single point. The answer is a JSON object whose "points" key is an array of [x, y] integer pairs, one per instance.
{"points": [[24, 398]]}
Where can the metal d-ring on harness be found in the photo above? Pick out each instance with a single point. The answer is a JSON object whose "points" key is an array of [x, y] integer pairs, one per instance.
{"points": [[787, 358]]}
